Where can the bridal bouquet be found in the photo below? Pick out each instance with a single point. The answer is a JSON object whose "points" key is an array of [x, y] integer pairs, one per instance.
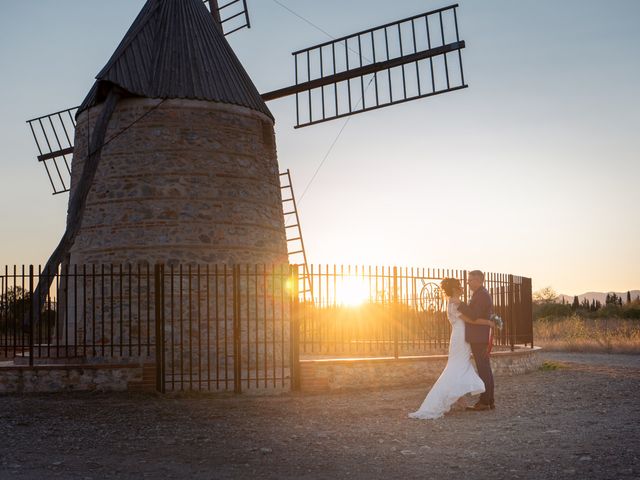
{"points": [[497, 320]]}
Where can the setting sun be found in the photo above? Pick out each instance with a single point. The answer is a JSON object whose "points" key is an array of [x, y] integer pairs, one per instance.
{"points": [[352, 292]]}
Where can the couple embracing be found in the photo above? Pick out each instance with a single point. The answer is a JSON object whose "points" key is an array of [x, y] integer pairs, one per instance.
{"points": [[470, 333]]}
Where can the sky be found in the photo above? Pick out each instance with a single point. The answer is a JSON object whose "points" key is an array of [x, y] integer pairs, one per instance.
{"points": [[533, 170]]}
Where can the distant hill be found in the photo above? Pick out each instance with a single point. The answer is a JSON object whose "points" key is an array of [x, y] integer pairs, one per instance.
{"points": [[598, 296]]}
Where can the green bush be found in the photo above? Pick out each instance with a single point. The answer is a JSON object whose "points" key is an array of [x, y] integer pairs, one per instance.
{"points": [[631, 310], [608, 311], [546, 310]]}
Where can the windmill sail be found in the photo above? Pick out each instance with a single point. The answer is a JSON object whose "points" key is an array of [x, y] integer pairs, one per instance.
{"points": [[53, 135], [231, 15], [413, 58]]}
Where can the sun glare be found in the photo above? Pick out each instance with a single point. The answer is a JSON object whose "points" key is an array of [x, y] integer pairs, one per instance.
{"points": [[352, 292]]}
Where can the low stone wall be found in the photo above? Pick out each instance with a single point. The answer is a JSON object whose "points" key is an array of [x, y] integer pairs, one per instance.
{"points": [[60, 378], [316, 375], [343, 374]]}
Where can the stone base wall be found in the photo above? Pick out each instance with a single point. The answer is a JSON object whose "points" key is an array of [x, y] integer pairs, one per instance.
{"points": [[316, 375], [345, 374], [76, 378]]}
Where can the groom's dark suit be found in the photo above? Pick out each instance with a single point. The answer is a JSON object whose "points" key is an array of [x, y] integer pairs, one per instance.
{"points": [[480, 306]]}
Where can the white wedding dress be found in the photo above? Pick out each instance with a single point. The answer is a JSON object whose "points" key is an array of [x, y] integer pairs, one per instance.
{"points": [[458, 378]]}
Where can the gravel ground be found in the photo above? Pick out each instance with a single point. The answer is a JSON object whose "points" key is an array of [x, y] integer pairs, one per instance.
{"points": [[577, 421]]}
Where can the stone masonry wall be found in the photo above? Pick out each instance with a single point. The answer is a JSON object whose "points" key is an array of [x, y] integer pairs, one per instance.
{"points": [[317, 375], [59, 378], [191, 182], [324, 375]]}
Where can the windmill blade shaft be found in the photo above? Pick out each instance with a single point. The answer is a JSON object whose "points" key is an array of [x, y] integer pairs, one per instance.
{"points": [[215, 12], [360, 71], [59, 153]]}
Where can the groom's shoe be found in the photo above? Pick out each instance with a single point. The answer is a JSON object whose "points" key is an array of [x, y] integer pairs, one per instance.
{"points": [[480, 407]]}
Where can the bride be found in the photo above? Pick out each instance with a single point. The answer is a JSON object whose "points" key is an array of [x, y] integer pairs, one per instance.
{"points": [[459, 376]]}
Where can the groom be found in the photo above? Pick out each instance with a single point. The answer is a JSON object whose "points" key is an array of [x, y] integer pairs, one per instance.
{"points": [[480, 306]]}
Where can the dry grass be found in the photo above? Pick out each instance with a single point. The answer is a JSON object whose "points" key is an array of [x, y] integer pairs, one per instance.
{"points": [[577, 334]]}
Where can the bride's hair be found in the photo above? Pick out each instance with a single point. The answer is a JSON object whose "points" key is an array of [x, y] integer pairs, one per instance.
{"points": [[449, 285]]}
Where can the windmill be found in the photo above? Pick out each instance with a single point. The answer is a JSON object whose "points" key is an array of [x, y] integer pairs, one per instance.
{"points": [[401, 61]]}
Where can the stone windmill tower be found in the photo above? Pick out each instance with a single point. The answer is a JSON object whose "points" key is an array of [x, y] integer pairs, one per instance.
{"points": [[195, 180]]}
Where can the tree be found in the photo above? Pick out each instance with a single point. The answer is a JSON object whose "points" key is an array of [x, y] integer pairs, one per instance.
{"points": [[15, 304], [612, 299], [545, 295], [576, 303], [14, 299]]}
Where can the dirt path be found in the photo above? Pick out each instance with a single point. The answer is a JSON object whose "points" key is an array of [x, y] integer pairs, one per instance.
{"points": [[580, 421], [619, 360]]}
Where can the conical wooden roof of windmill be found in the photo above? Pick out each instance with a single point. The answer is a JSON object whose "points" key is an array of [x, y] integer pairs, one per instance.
{"points": [[174, 49]]}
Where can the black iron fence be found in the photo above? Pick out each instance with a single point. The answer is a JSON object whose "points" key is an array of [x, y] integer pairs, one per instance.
{"points": [[225, 327], [237, 328], [219, 328], [91, 311], [399, 311]]}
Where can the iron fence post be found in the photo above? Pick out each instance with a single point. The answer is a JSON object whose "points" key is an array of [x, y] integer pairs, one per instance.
{"points": [[396, 314], [31, 316], [517, 312], [527, 307], [162, 327], [159, 320], [237, 345], [512, 319], [294, 328]]}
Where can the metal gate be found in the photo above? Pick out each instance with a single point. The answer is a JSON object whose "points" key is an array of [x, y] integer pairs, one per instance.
{"points": [[226, 328]]}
